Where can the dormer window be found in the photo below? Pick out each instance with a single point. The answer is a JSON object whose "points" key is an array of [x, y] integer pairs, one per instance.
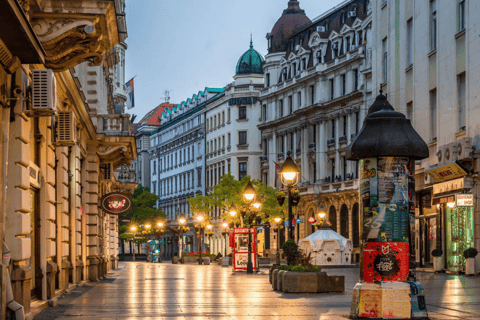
{"points": [[269, 40], [304, 63], [342, 18]]}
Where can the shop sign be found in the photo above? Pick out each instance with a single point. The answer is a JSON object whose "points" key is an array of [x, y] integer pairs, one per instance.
{"points": [[446, 172], [464, 200], [299, 220], [448, 186], [244, 100], [385, 261], [311, 219], [116, 203]]}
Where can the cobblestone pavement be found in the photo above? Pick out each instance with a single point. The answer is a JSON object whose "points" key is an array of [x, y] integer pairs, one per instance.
{"points": [[139, 290]]}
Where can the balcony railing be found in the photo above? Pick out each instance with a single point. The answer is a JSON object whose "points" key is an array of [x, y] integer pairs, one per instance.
{"points": [[330, 141], [312, 146], [342, 139]]}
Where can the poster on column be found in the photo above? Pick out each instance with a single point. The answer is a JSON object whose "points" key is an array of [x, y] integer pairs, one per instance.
{"points": [[394, 198], [368, 193], [385, 261]]}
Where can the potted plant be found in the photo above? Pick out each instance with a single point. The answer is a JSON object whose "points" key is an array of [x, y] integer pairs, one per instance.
{"points": [[470, 255], [295, 197], [290, 249], [437, 260]]}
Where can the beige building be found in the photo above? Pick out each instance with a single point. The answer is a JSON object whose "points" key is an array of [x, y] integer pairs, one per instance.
{"points": [[56, 161], [317, 91], [426, 59]]}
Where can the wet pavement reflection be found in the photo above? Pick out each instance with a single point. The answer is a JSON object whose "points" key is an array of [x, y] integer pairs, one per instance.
{"points": [[140, 290]]}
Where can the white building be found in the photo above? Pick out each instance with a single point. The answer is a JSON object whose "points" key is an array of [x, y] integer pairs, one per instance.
{"points": [[232, 137], [177, 161], [426, 61], [317, 89]]}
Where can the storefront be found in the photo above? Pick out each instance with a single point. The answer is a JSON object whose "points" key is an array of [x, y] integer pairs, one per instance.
{"points": [[444, 217]]}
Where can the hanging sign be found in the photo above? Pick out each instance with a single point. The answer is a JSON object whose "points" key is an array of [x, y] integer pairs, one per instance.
{"points": [[311, 219], [464, 200], [299, 220], [116, 203]]}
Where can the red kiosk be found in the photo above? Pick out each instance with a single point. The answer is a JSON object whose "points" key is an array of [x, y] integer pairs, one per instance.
{"points": [[239, 245]]}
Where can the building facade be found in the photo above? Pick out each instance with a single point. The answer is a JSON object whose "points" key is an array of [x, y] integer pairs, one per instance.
{"points": [[53, 158], [232, 136], [425, 61], [177, 163], [317, 91]]}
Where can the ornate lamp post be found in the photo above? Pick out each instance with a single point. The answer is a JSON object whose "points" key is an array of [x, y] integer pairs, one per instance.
{"points": [[182, 222], [386, 149], [200, 219], [160, 231], [249, 195], [225, 232], [289, 176], [133, 229], [277, 221]]}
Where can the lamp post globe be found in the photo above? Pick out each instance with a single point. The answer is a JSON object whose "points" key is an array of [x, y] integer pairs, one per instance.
{"points": [[289, 176], [249, 193], [160, 224], [277, 219], [225, 225]]}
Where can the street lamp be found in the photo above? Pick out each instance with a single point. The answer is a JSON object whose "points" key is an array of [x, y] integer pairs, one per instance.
{"points": [[277, 221], [289, 176], [225, 226], [133, 229], [182, 222], [249, 194], [200, 219], [159, 232]]}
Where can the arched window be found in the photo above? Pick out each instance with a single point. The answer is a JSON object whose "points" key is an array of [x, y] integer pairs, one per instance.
{"points": [[342, 18], [355, 226], [332, 217], [344, 221]]}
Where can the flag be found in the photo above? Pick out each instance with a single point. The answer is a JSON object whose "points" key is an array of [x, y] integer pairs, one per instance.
{"points": [[130, 94]]}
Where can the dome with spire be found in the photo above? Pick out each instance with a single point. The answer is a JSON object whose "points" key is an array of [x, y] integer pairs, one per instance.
{"points": [[292, 20], [250, 62]]}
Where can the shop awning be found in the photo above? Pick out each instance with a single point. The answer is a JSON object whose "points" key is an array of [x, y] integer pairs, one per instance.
{"points": [[448, 171]]}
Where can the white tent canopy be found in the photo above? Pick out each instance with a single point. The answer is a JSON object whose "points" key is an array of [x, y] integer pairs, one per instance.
{"points": [[327, 247]]}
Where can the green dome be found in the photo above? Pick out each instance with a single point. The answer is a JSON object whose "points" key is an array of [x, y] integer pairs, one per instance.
{"points": [[250, 62]]}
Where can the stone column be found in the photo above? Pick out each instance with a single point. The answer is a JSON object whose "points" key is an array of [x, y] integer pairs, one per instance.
{"points": [[337, 155], [322, 163], [272, 157], [350, 169], [318, 155], [304, 161], [92, 214], [79, 212]]}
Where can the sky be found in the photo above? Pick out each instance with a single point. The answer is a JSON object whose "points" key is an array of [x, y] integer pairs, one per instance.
{"points": [[184, 46]]}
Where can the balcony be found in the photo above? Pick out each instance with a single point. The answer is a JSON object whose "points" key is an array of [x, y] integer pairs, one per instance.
{"points": [[281, 156], [339, 186], [299, 150], [312, 146], [342, 139], [263, 158], [330, 142]]}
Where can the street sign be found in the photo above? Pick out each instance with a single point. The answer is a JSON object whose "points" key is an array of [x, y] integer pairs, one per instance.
{"points": [[293, 222], [311, 219], [299, 220], [162, 242], [286, 223]]}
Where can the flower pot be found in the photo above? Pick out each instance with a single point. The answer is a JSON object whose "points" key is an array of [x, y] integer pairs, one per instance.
{"points": [[280, 201], [437, 264], [470, 266]]}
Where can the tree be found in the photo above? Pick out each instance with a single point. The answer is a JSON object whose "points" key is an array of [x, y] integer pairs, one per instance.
{"points": [[143, 206]]}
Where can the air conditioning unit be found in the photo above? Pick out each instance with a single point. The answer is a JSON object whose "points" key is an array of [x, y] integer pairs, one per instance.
{"points": [[450, 153], [321, 29], [66, 128], [441, 155], [352, 14], [43, 92], [428, 179], [464, 148]]}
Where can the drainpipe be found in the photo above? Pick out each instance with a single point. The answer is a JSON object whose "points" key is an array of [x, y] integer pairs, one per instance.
{"points": [[16, 307]]}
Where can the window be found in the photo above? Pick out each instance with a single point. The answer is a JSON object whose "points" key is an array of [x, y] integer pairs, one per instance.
{"points": [[223, 117], [433, 115], [304, 63], [332, 88], [344, 125], [154, 187], [228, 139], [409, 42], [264, 112], [242, 112], [355, 79], [199, 177], [193, 153], [461, 15], [461, 101], [280, 108], [333, 128], [433, 25], [312, 94], [267, 80], [242, 170], [228, 115], [242, 138], [385, 60], [294, 69], [154, 167], [357, 121], [314, 127], [299, 99], [344, 87], [410, 110], [290, 105]]}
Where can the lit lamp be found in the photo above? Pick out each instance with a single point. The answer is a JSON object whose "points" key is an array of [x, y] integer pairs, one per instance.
{"points": [[181, 221], [200, 219], [277, 221], [133, 229], [257, 205], [148, 226], [322, 218], [160, 224], [249, 193], [289, 176]]}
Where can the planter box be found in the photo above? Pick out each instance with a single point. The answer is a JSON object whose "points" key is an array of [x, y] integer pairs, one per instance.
{"points": [[470, 266], [270, 272], [306, 282]]}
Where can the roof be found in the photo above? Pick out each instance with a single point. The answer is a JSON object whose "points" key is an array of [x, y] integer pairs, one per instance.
{"points": [[292, 20], [250, 62], [325, 234], [151, 118]]}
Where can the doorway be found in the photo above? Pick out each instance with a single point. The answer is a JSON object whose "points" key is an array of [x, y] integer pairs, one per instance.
{"points": [[36, 284]]}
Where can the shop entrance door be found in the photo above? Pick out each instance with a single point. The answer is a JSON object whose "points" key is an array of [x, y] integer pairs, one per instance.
{"points": [[36, 289], [459, 235]]}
